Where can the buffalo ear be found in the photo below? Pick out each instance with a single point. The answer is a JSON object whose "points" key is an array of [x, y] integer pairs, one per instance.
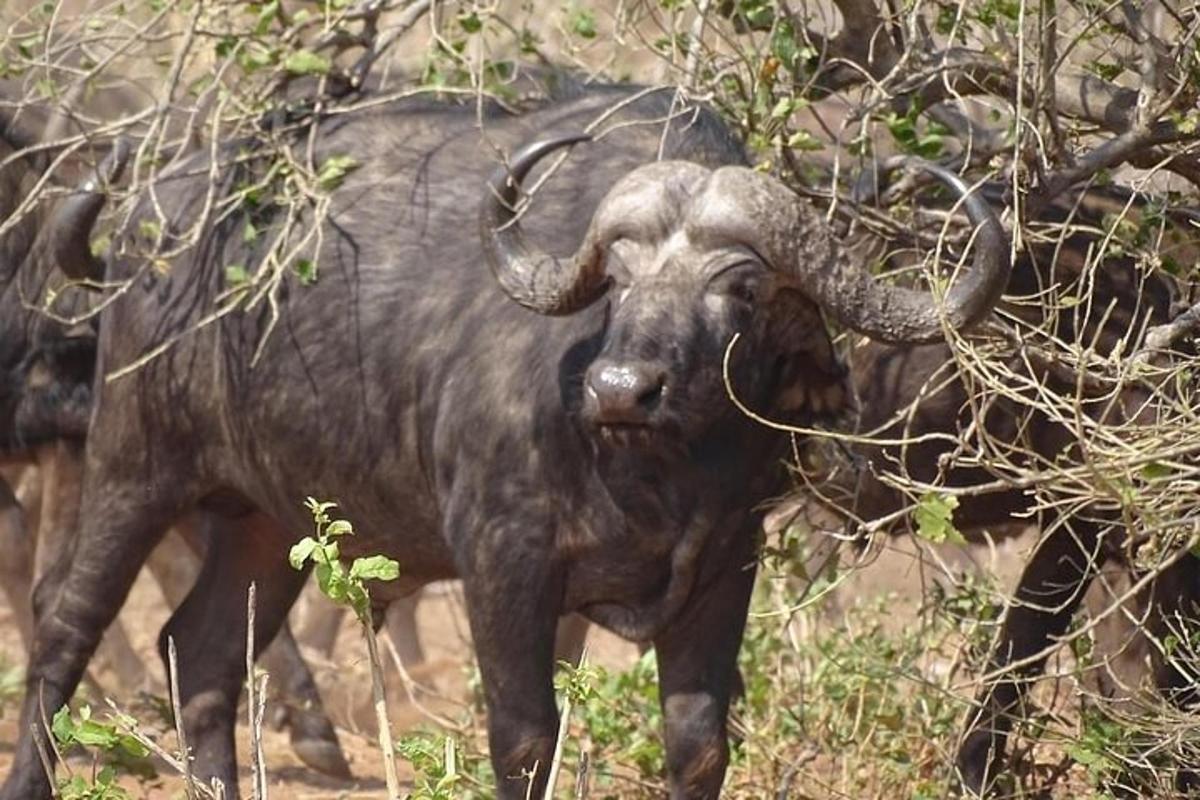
{"points": [[811, 388], [809, 378]]}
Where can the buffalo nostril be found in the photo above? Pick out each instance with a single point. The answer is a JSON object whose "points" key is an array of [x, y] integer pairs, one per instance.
{"points": [[626, 392], [652, 392]]}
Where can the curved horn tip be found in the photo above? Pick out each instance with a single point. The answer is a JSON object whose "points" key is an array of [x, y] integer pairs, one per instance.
{"points": [[946, 176], [527, 156], [113, 166], [506, 178], [533, 279]]}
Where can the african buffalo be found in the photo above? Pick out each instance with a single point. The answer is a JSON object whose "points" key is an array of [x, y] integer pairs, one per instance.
{"points": [[574, 450], [45, 365], [46, 375], [913, 393]]}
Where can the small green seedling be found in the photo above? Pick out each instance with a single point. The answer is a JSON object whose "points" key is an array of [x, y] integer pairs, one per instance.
{"points": [[348, 586], [341, 585], [111, 743]]}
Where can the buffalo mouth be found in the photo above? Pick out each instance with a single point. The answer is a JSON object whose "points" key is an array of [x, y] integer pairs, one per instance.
{"points": [[628, 435]]}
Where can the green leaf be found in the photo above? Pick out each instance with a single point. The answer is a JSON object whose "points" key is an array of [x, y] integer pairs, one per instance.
{"points": [[331, 579], [62, 726], [236, 275], [306, 62], [1155, 470], [150, 229], [471, 23], [96, 734], [339, 527], [265, 17], [356, 598], [374, 568], [306, 271], [300, 552], [805, 141], [934, 517], [329, 551], [334, 170], [784, 108], [583, 23]]}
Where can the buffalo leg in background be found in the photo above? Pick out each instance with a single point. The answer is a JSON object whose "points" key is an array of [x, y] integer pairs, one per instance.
{"points": [[30, 549], [697, 673], [1175, 611], [16, 561], [401, 624], [74, 602], [1050, 590], [209, 629], [175, 564], [321, 621], [60, 469]]}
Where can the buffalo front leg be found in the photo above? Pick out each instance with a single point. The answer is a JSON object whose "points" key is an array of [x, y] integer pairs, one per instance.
{"points": [[60, 475], [512, 605], [697, 668], [117, 533], [1050, 590], [209, 630]]}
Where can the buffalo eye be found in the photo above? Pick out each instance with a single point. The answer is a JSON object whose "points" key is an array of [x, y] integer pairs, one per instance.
{"points": [[740, 282], [743, 291]]}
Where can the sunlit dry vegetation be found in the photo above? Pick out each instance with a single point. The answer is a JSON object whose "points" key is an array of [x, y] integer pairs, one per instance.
{"points": [[869, 636]]}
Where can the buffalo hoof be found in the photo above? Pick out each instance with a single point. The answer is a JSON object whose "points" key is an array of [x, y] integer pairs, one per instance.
{"points": [[323, 756]]}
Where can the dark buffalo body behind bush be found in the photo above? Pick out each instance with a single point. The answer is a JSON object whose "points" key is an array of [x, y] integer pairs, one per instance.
{"points": [[917, 394], [585, 459], [45, 365]]}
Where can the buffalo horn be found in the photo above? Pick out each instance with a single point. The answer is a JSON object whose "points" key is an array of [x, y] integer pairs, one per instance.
{"points": [[71, 228], [536, 280], [798, 243]]}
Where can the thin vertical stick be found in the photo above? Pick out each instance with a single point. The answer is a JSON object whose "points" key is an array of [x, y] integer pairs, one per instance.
{"points": [[185, 757], [581, 777], [258, 768], [58, 756], [564, 723], [45, 757], [379, 695], [259, 715]]}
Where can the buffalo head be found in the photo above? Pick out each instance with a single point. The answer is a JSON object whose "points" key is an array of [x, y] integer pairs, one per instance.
{"points": [[689, 257], [45, 369]]}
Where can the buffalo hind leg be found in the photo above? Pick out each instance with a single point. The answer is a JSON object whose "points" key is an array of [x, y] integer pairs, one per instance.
{"points": [[175, 564], [1175, 612], [513, 619], [697, 668], [118, 531], [1050, 590], [209, 630], [310, 732]]}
